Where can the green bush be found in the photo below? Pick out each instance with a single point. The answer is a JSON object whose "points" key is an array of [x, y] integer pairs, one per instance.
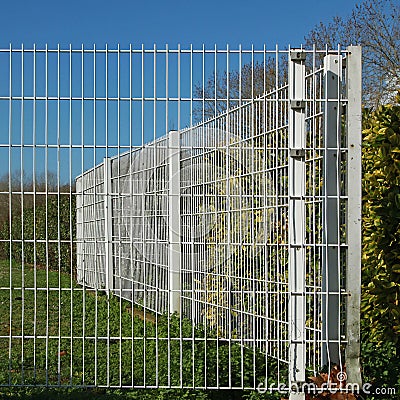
{"points": [[380, 307], [43, 235], [381, 223], [380, 364]]}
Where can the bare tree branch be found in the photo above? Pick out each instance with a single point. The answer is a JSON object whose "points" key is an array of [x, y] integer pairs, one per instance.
{"points": [[376, 26]]}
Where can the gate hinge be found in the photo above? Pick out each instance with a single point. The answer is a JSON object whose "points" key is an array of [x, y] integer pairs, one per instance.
{"points": [[297, 153], [297, 55], [297, 104]]}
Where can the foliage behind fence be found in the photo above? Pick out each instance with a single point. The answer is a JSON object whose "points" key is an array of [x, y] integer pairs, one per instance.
{"points": [[43, 235], [381, 221]]}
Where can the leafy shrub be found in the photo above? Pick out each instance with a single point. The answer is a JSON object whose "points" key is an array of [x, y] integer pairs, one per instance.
{"points": [[381, 223], [43, 234], [380, 363]]}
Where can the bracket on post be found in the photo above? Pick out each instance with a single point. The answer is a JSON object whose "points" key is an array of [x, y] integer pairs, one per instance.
{"points": [[297, 104], [297, 153], [297, 55]]}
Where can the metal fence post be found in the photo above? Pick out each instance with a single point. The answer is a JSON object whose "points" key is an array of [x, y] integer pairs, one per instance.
{"points": [[296, 222], [109, 269], [353, 272], [331, 218], [174, 215], [80, 268]]}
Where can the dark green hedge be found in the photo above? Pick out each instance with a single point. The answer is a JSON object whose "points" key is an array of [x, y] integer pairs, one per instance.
{"points": [[381, 223], [380, 308], [53, 226]]}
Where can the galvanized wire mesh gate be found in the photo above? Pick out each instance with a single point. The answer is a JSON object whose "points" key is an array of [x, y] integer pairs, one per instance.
{"points": [[225, 254]]}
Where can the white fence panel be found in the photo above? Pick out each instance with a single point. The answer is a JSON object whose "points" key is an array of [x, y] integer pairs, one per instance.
{"points": [[179, 217]]}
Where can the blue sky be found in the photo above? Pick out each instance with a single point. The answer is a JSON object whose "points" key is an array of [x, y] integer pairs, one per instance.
{"points": [[155, 21]]}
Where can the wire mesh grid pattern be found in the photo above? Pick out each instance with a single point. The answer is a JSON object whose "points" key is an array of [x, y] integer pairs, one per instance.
{"points": [[237, 198], [213, 255]]}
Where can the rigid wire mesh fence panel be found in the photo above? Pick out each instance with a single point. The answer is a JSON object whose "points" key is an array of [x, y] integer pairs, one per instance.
{"points": [[140, 205], [234, 189], [145, 233], [90, 235]]}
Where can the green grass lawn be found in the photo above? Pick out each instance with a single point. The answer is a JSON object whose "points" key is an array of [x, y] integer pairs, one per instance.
{"points": [[61, 335]]}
